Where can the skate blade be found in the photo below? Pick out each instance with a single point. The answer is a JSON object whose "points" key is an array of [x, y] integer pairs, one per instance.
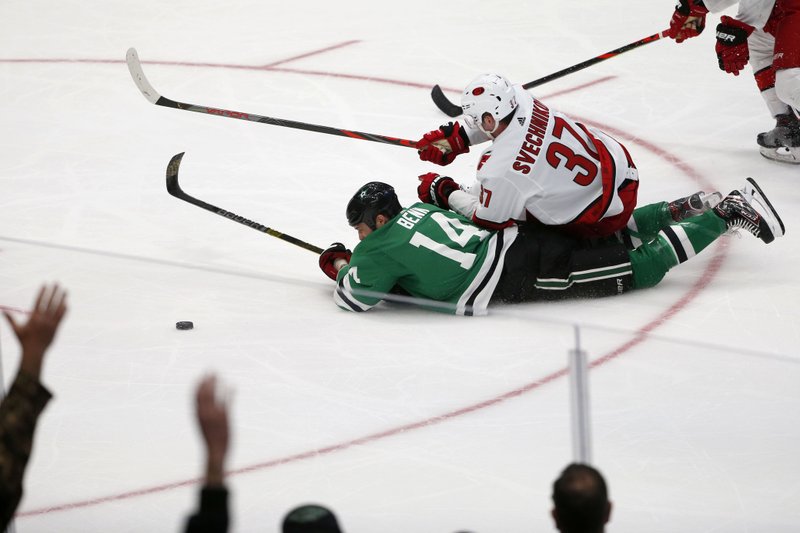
{"points": [[782, 154], [762, 199]]}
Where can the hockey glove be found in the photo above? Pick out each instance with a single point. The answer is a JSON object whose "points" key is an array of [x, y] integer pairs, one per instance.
{"points": [[443, 145], [435, 189], [732, 50], [328, 259], [688, 20]]}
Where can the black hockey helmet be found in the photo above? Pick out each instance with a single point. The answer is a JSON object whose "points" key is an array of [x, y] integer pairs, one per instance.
{"points": [[373, 199]]}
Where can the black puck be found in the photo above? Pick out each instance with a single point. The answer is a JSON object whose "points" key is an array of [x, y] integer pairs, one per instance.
{"points": [[184, 324]]}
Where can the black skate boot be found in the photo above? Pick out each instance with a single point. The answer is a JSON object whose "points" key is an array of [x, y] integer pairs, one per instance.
{"points": [[696, 204], [785, 133], [750, 210], [783, 142]]}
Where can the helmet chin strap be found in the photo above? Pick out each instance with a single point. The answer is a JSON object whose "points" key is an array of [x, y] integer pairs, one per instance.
{"points": [[496, 124], [489, 133]]}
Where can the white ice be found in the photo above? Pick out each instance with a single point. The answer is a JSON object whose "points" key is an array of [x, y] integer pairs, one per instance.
{"points": [[399, 419]]}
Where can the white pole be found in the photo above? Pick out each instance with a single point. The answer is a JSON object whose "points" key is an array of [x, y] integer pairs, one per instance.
{"points": [[579, 402]]}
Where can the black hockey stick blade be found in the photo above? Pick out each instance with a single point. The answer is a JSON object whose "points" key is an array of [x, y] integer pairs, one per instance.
{"points": [[449, 108], [441, 101], [174, 188], [141, 81]]}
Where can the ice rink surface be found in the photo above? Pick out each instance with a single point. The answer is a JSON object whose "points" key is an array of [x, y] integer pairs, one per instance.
{"points": [[400, 419]]}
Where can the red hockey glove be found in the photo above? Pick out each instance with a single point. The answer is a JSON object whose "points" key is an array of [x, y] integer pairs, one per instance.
{"points": [[688, 20], [732, 50], [327, 259], [443, 145], [435, 189]]}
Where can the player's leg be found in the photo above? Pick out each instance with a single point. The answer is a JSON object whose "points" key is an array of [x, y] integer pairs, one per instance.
{"points": [[674, 245], [648, 220], [786, 60], [747, 209], [785, 26], [762, 49], [548, 264]]}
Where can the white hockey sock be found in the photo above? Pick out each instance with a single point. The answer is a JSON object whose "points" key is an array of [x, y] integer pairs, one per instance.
{"points": [[787, 87]]}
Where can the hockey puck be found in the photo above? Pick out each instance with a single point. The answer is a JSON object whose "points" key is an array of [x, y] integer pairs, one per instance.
{"points": [[184, 325]]}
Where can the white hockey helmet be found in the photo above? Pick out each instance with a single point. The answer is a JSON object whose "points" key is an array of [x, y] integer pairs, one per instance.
{"points": [[488, 93]]}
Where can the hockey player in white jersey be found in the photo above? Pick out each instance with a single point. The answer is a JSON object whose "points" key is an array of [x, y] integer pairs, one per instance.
{"points": [[765, 33], [541, 166]]}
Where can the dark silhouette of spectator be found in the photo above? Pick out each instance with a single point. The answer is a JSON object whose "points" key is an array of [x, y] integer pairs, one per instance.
{"points": [[310, 519], [212, 417], [580, 499], [27, 397]]}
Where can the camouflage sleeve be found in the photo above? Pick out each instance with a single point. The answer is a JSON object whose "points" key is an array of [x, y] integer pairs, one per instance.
{"points": [[19, 412]]}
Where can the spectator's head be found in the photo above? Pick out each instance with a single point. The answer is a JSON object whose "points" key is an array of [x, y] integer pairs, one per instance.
{"points": [[310, 519], [581, 500]]}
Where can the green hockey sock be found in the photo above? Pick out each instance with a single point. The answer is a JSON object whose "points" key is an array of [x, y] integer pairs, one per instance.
{"points": [[647, 221], [673, 245]]}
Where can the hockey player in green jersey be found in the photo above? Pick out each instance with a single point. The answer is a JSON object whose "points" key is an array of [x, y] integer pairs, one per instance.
{"points": [[433, 254]]}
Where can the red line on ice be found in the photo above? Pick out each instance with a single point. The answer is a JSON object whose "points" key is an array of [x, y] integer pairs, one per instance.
{"points": [[307, 54]]}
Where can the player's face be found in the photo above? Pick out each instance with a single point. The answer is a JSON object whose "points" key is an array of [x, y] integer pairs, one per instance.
{"points": [[363, 230]]}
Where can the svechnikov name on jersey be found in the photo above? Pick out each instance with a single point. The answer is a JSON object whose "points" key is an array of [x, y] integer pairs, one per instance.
{"points": [[533, 139]]}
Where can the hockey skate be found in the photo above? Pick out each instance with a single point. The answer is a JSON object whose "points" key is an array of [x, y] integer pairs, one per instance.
{"points": [[750, 210], [696, 204], [782, 143], [785, 133]]}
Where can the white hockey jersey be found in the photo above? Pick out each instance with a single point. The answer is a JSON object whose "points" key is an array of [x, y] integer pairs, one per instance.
{"points": [[546, 165], [753, 12]]}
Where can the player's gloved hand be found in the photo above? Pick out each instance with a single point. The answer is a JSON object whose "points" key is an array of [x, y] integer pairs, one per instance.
{"points": [[688, 20], [732, 51], [335, 253], [443, 145], [435, 189]]}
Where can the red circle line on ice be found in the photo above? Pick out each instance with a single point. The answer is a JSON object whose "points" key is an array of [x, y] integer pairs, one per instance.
{"points": [[718, 254]]}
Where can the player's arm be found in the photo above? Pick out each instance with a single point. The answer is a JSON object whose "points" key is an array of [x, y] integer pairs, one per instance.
{"points": [[497, 203], [477, 203], [361, 283], [465, 202]]}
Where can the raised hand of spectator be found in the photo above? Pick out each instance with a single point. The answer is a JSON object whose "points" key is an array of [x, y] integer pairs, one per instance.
{"points": [[36, 335], [212, 417]]}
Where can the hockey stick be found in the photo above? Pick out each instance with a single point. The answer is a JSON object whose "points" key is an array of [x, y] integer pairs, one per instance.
{"points": [[174, 188], [453, 110], [135, 68]]}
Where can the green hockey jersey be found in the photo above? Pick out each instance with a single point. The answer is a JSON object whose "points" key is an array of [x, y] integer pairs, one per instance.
{"points": [[430, 253]]}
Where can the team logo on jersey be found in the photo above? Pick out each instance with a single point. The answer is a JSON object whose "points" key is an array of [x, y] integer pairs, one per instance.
{"points": [[484, 158]]}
